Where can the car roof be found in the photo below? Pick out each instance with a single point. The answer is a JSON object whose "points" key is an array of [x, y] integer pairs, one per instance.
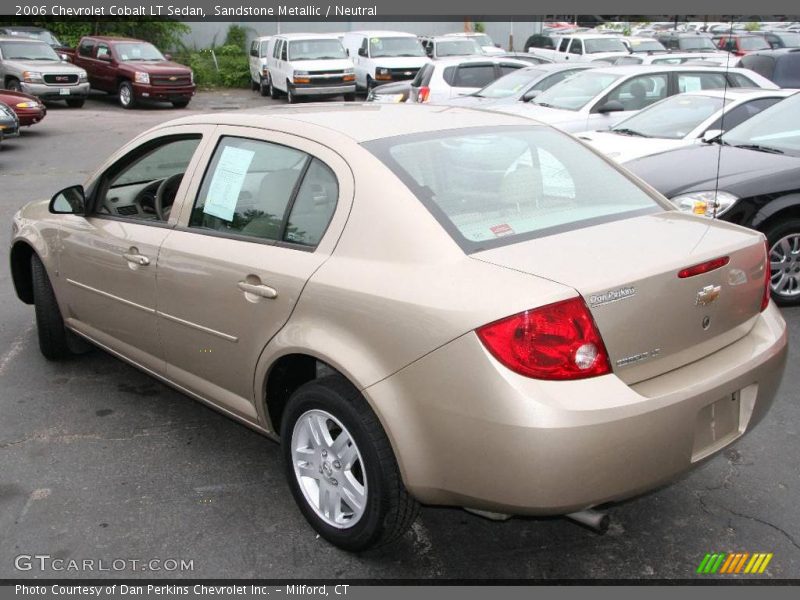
{"points": [[6, 38], [775, 52], [447, 61], [22, 28], [740, 93], [360, 122], [113, 38], [306, 36], [382, 33], [555, 67], [592, 36], [643, 69]]}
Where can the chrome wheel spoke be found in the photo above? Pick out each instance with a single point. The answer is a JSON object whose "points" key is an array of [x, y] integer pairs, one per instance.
{"points": [[353, 493], [784, 265]]}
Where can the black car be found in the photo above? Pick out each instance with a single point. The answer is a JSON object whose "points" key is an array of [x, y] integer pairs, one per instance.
{"points": [[749, 176], [782, 66]]}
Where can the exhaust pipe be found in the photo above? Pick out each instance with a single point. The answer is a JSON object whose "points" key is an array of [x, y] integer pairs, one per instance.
{"points": [[595, 520]]}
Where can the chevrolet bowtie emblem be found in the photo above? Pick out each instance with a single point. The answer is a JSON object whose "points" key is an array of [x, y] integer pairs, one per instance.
{"points": [[173, 78], [707, 295]]}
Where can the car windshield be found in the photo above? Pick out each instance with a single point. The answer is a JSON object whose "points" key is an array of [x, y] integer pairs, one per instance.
{"points": [[395, 46], [696, 43], [463, 47], [673, 118], [321, 49], [576, 92], [483, 40], [27, 51], [753, 43], [513, 83], [646, 46], [138, 51], [609, 44], [493, 186], [43, 36], [789, 39], [775, 129]]}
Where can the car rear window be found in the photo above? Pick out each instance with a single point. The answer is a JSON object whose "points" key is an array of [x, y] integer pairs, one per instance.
{"points": [[493, 186]]}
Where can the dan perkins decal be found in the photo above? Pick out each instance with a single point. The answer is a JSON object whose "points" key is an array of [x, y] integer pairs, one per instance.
{"points": [[502, 230], [611, 296]]}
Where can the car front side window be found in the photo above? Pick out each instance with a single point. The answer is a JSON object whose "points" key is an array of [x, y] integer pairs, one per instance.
{"points": [[144, 183]]}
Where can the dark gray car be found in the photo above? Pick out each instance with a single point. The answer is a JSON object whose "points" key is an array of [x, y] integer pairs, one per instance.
{"points": [[521, 85]]}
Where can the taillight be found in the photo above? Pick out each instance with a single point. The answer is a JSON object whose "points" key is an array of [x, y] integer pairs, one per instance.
{"points": [[705, 267], [557, 341], [767, 278], [423, 94]]}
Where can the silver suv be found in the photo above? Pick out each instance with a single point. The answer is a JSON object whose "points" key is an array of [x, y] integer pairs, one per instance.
{"points": [[33, 67]]}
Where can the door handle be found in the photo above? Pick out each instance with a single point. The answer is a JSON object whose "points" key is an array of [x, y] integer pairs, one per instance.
{"points": [[138, 259], [258, 289]]}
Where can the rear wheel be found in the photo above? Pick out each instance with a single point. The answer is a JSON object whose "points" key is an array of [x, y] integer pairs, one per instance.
{"points": [[76, 102], [784, 261], [125, 95], [341, 468]]}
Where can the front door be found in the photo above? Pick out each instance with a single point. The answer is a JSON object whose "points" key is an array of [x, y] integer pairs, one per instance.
{"points": [[232, 271], [108, 259]]}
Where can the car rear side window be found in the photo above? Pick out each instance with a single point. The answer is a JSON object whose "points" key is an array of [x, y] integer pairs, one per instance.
{"points": [[474, 76], [86, 47], [265, 191], [490, 187]]}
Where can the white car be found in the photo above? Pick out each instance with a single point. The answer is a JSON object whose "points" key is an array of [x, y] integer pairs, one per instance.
{"points": [[309, 64], [384, 56], [584, 48], [643, 45], [484, 41], [440, 46], [259, 73], [600, 98], [450, 78], [682, 120]]}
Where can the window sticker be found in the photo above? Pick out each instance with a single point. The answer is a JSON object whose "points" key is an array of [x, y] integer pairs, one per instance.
{"points": [[502, 229], [223, 193]]}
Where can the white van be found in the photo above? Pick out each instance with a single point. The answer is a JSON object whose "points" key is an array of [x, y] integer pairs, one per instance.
{"points": [[258, 64], [384, 56], [309, 64]]}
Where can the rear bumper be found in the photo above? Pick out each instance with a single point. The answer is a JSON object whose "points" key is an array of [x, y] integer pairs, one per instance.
{"points": [[324, 90], [164, 93], [483, 437], [53, 92]]}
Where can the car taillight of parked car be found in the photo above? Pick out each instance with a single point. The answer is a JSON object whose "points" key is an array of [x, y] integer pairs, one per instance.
{"points": [[423, 94], [558, 341]]}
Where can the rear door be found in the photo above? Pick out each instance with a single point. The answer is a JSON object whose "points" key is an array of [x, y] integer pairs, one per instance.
{"points": [[268, 212]]}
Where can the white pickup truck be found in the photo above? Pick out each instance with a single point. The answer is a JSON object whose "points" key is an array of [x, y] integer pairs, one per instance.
{"points": [[583, 48]]}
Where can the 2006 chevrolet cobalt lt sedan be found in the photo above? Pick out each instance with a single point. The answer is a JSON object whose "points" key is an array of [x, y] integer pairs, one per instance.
{"points": [[423, 304]]}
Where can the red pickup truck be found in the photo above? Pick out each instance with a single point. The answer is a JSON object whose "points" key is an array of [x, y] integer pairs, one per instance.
{"points": [[134, 70]]}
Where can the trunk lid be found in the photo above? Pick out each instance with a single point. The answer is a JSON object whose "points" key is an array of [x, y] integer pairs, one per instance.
{"points": [[651, 320]]}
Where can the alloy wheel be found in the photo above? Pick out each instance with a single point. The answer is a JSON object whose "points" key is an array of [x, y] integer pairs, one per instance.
{"points": [[329, 468], [784, 266]]}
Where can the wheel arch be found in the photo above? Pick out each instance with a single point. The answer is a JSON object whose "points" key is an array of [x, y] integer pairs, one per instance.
{"points": [[21, 273], [788, 205]]}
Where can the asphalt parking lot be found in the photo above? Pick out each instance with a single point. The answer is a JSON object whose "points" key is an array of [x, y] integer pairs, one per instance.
{"points": [[99, 461]]}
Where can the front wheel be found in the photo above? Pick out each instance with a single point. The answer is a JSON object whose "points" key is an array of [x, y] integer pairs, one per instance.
{"points": [[53, 337], [291, 97], [784, 261], [341, 468], [14, 85], [273, 91], [76, 102], [125, 94]]}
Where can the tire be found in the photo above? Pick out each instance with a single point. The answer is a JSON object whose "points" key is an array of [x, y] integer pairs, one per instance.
{"points": [[291, 98], [350, 97], [784, 242], [53, 342], [253, 84], [13, 85], [76, 102], [180, 104], [125, 95], [370, 84], [273, 91], [388, 510], [263, 87]]}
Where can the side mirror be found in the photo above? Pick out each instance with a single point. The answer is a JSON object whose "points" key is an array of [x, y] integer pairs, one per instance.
{"points": [[362, 52], [63, 57], [774, 45], [530, 95], [168, 56], [69, 201], [611, 106], [710, 135]]}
